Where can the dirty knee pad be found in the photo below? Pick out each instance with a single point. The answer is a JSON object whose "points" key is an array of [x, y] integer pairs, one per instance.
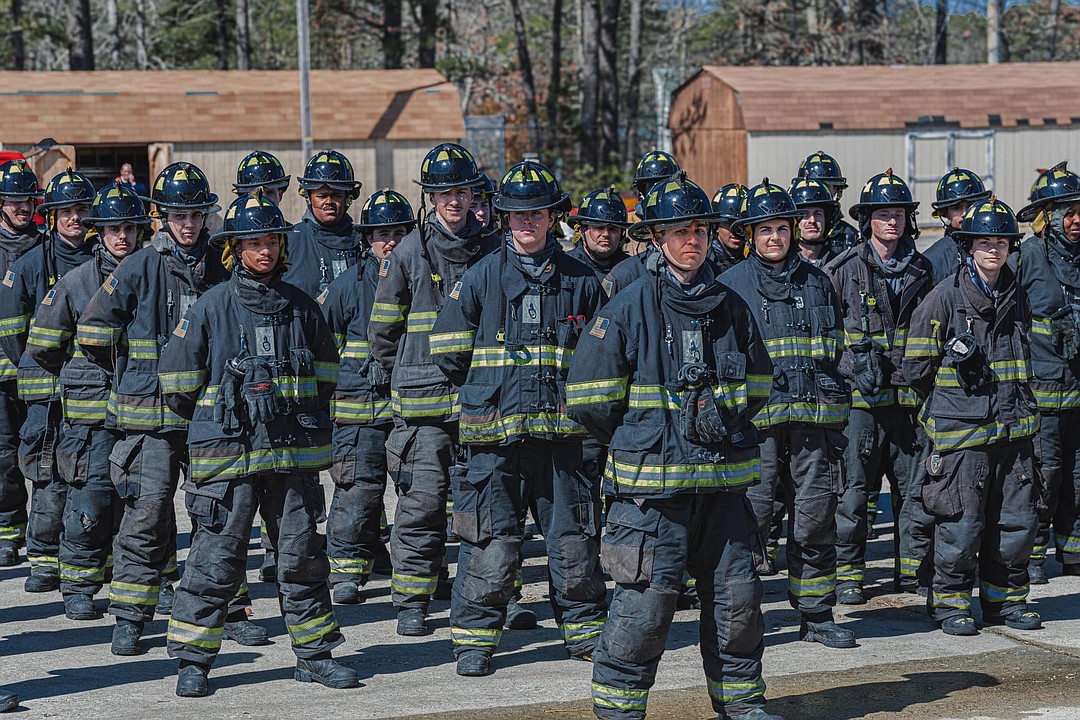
{"points": [[638, 624], [83, 525], [492, 571], [740, 625], [578, 576], [302, 559]]}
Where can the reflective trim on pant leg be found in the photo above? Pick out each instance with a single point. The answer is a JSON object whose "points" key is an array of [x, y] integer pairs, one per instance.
{"points": [[243, 590], [997, 594], [1067, 544], [850, 573], [347, 568], [171, 566], [44, 562], [414, 584], [610, 698], [200, 637], [13, 533], [121, 592], [577, 632], [75, 574], [730, 693], [812, 587], [951, 601], [909, 567], [1038, 553], [313, 630], [475, 637]]}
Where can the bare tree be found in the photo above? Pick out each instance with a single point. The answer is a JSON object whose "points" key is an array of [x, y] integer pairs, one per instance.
{"points": [[1052, 29], [393, 44], [243, 37], [589, 79], [428, 20], [112, 22], [609, 81], [633, 81], [941, 33], [18, 49], [80, 35], [528, 82], [555, 87], [220, 14]]}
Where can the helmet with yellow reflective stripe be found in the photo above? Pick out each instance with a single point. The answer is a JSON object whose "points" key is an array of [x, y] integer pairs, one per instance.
{"points": [[329, 168], [67, 189], [530, 185], [957, 186], [654, 166], [884, 190], [384, 209], [1056, 185], [449, 165], [182, 187], [18, 181], [260, 169], [250, 216], [989, 218], [114, 204]]}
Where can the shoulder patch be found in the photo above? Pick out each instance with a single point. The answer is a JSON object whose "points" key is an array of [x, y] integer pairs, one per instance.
{"points": [[181, 328], [608, 286], [49, 297], [599, 328], [9, 279], [385, 267], [322, 296], [110, 284], [456, 291]]}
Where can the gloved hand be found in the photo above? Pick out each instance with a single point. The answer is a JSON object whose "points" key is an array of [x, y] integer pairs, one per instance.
{"points": [[378, 377], [710, 425], [228, 410], [688, 415], [866, 367], [972, 370], [1066, 334], [257, 389]]}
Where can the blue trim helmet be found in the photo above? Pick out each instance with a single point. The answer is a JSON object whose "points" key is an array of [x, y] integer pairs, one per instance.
{"points": [[182, 187], [601, 207], [114, 204], [530, 185], [449, 165], [386, 208], [260, 169]]}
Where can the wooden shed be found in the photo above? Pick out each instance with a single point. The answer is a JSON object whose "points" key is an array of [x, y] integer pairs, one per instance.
{"points": [[1005, 122], [383, 120]]}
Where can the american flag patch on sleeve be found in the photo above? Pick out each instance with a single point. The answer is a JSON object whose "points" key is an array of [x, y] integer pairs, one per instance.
{"points": [[181, 329], [599, 328], [456, 291], [110, 284], [49, 297], [9, 279], [384, 268]]}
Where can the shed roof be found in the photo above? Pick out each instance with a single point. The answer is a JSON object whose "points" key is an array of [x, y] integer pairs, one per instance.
{"points": [[124, 107], [878, 97]]}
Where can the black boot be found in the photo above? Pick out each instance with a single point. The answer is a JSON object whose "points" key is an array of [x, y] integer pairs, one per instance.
{"points": [[166, 598], [473, 663], [42, 581], [326, 671], [80, 607], [410, 622], [347, 593], [826, 632], [518, 617], [125, 637], [9, 556], [191, 681], [8, 700], [245, 632]]}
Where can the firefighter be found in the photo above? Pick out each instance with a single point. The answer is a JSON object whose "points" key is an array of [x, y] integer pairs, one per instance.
{"points": [[1048, 269], [879, 282], [728, 247], [599, 231], [423, 450], [670, 374], [260, 169], [801, 426], [253, 366], [325, 243], [956, 191], [361, 404], [506, 338], [819, 210], [67, 202], [122, 330], [116, 223], [967, 356], [19, 193], [651, 168], [823, 167]]}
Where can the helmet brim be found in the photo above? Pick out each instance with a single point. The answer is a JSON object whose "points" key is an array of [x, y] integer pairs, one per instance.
{"points": [[743, 223], [282, 183], [436, 187], [375, 226], [500, 203], [22, 196], [136, 219], [961, 235], [941, 205], [641, 229], [67, 203], [241, 234], [211, 207], [1031, 210], [575, 220], [855, 210]]}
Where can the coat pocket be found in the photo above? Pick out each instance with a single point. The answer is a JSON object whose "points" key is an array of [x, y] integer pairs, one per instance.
{"points": [[941, 491], [637, 459], [481, 419], [628, 548]]}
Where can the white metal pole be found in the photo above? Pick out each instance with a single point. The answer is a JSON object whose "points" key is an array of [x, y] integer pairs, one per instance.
{"points": [[303, 51]]}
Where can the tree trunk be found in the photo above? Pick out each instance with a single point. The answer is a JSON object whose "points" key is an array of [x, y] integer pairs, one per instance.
{"points": [[555, 87], [1052, 29], [633, 82], [142, 34], [393, 47], [589, 79], [18, 49], [221, 13], [941, 33], [112, 21], [80, 35], [867, 20], [429, 24], [243, 37], [528, 81], [609, 82]]}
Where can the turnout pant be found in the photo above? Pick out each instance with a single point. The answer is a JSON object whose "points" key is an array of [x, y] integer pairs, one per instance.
{"points": [[48, 495], [983, 499], [1059, 464], [145, 471], [490, 501], [803, 464], [420, 459], [291, 506], [882, 441], [646, 547], [353, 528], [91, 515], [13, 495]]}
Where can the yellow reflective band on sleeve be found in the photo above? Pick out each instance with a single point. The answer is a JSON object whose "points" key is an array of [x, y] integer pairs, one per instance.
{"points": [[47, 337], [98, 335], [142, 349], [451, 342], [421, 321], [654, 396], [1042, 326], [758, 385], [922, 347], [179, 382], [386, 313], [14, 325], [326, 372], [33, 389], [354, 349], [596, 391]]}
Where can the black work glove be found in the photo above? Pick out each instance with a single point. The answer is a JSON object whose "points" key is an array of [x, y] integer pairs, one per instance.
{"points": [[258, 389], [688, 415], [1066, 334], [228, 410], [710, 425], [378, 377], [972, 370], [866, 367]]}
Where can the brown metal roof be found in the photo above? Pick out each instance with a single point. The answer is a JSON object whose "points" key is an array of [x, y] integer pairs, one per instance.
{"points": [[225, 106], [869, 97]]}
